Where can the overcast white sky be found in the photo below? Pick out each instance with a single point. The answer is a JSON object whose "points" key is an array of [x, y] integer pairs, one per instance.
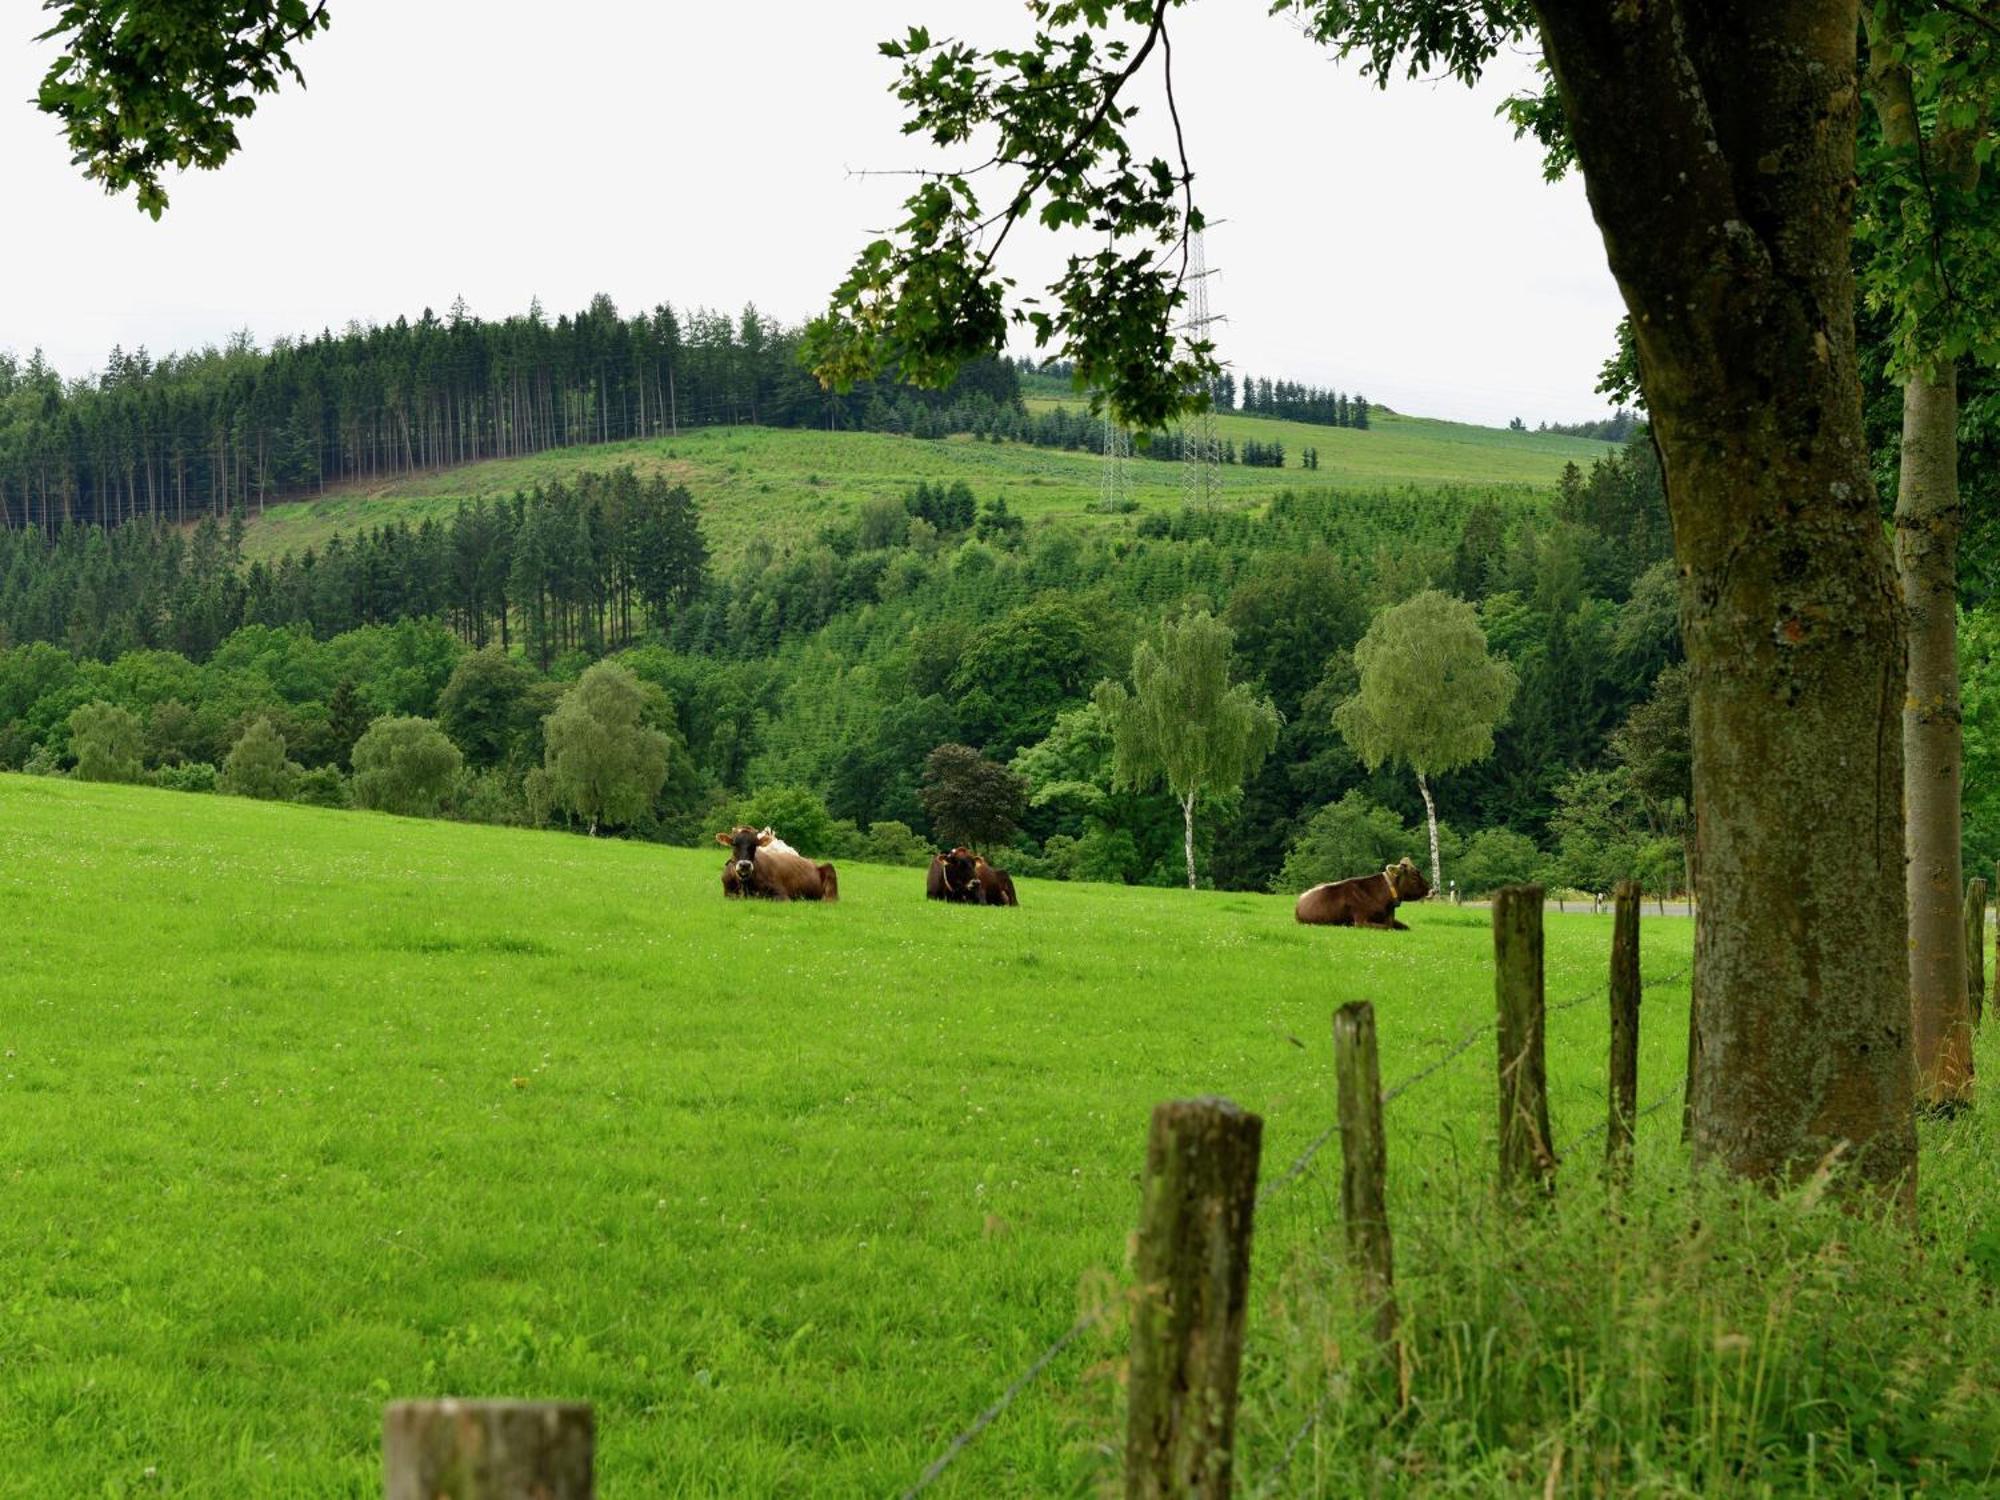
{"points": [[1402, 244]]}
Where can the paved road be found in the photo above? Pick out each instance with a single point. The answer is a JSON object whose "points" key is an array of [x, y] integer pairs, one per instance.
{"points": [[1572, 904]]}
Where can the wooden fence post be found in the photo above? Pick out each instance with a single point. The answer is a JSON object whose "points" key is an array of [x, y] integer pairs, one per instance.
{"points": [[1975, 948], [487, 1450], [1193, 1264], [1526, 1156], [1364, 1151], [1694, 1052], [1624, 1089]]}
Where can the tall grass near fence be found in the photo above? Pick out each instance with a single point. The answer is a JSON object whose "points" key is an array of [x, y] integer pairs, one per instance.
{"points": [[1673, 1339]]}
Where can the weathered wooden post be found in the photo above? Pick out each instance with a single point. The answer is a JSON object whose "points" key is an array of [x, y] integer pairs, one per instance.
{"points": [[1624, 1089], [1694, 1050], [1364, 1151], [487, 1450], [1193, 1266], [1526, 1157], [1975, 947]]}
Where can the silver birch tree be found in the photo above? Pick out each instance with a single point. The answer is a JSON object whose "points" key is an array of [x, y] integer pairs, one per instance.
{"points": [[1430, 695], [1183, 722]]}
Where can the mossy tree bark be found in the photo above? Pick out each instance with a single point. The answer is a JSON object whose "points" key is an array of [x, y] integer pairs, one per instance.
{"points": [[1717, 145]]}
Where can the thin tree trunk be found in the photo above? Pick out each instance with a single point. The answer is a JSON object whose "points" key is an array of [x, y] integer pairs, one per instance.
{"points": [[1928, 520], [1187, 834], [1431, 817]]}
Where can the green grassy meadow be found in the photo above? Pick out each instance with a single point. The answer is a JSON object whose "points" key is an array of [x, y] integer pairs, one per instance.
{"points": [[783, 484], [302, 1111]]}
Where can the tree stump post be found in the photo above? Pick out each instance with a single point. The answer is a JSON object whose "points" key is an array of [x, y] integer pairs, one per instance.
{"points": [[1364, 1151], [487, 1450], [1975, 948], [1623, 1092], [1526, 1157], [1193, 1263]]}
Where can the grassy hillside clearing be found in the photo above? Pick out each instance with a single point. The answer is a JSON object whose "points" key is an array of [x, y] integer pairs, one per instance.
{"points": [[782, 484], [305, 1110]]}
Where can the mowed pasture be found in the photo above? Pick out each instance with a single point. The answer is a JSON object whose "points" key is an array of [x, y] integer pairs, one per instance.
{"points": [[781, 485], [305, 1110]]}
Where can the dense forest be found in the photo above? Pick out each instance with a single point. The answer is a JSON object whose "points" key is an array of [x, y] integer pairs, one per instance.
{"points": [[826, 673], [188, 435], [194, 434]]}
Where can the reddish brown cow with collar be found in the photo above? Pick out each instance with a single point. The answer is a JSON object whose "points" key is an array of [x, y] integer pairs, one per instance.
{"points": [[960, 876], [954, 877], [1364, 901]]}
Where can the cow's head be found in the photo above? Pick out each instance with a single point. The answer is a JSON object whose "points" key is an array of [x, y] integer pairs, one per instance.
{"points": [[743, 844], [961, 870], [1407, 881]]}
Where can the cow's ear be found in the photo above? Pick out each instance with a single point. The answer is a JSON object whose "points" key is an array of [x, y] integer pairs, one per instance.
{"points": [[764, 838], [724, 839]]}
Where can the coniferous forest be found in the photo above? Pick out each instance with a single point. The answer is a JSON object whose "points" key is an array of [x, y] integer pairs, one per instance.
{"points": [[187, 435]]}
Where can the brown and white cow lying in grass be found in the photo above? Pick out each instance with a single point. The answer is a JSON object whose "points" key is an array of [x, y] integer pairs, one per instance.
{"points": [[762, 864], [1364, 901]]}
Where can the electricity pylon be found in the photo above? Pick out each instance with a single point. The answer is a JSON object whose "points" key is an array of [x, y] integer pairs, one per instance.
{"points": [[1201, 449]]}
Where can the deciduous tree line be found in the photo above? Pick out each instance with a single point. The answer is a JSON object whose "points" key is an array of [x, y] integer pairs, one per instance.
{"points": [[835, 665]]}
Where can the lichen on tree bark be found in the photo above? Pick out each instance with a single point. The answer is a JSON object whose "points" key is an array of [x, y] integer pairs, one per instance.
{"points": [[1718, 151]]}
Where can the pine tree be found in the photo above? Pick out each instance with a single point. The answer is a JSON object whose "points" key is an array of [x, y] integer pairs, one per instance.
{"points": [[527, 582]]}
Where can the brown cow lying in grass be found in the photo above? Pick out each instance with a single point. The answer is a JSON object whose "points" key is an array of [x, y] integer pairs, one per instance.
{"points": [[762, 864], [997, 884], [1364, 901], [958, 875]]}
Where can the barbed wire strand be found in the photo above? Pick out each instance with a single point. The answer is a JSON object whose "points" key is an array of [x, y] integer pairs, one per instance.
{"points": [[1299, 1167], [1655, 1107], [986, 1418], [1305, 1158], [1268, 1484]]}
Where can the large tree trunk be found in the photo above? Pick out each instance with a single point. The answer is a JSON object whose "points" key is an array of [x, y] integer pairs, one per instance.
{"points": [[1717, 145], [1928, 521], [1431, 817], [1187, 835]]}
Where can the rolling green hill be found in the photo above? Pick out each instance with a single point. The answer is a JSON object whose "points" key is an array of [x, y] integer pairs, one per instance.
{"points": [[784, 483], [302, 1111]]}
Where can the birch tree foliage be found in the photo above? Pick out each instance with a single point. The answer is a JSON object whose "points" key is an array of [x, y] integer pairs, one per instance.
{"points": [[1183, 722], [605, 761], [1430, 695]]}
